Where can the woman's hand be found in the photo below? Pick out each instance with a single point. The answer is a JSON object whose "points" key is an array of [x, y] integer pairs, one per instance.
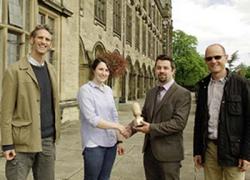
{"points": [[120, 149], [198, 161], [123, 131]]}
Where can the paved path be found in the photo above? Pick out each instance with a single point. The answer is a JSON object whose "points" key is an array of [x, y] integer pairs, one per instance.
{"points": [[69, 164]]}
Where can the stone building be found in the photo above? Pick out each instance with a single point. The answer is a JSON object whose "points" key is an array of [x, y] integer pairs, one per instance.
{"points": [[137, 29]]}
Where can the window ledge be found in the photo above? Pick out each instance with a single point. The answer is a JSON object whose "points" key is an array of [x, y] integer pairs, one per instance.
{"points": [[60, 9]]}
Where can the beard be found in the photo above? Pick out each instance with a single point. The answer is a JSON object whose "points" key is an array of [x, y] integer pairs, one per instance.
{"points": [[162, 78]]}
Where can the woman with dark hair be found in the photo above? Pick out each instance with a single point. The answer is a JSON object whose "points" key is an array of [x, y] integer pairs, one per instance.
{"points": [[100, 129]]}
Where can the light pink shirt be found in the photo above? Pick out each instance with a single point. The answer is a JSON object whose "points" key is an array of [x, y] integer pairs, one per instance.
{"points": [[215, 93], [166, 88]]}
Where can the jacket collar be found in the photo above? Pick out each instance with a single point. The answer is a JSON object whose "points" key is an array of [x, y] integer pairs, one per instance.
{"points": [[24, 65], [170, 91], [205, 81], [35, 62]]}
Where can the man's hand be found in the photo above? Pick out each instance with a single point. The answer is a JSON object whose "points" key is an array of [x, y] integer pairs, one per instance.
{"points": [[9, 154], [145, 128], [198, 161], [243, 165]]}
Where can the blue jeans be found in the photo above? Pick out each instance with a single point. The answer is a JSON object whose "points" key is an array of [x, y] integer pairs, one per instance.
{"points": [[98, 162]]}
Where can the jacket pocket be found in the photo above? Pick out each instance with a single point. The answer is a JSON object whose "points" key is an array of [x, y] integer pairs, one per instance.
{"points": [[234, 105], [235, 146], [21, 132]]}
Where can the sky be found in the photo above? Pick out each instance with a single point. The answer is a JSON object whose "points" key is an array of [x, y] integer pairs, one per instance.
{"points": [[216, 21]]}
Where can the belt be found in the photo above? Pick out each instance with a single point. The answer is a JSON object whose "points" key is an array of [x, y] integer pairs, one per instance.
{"points": [[215, 141]]}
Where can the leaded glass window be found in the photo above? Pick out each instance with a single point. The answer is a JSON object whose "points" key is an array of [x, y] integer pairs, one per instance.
{"points": [[15, 13], [117, 11], [144, 45], [1, 11], [13, 47], [129, 25], [137, 33], [100, 11]]}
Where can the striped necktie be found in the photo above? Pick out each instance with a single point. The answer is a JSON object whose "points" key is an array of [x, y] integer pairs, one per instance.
{"points": [[159, 96]]}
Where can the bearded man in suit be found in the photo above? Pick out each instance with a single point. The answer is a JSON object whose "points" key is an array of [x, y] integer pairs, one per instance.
{"points": [[165, 113]]}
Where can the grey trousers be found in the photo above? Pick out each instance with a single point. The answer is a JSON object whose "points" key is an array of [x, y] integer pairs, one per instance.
{"points": [[160, 170], [41, 163]]}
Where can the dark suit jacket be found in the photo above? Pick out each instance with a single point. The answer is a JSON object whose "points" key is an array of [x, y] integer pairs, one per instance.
{"points": [[167, 122]]}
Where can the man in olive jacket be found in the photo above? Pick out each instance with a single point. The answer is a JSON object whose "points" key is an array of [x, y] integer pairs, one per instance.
{"points": [[29, 116], [222, 120]]}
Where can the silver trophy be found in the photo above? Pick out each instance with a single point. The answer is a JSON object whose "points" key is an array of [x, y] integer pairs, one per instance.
{"points": [[137, 122]]}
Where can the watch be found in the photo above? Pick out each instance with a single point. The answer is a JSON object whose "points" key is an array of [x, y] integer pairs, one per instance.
{"points": [[119, 141]]}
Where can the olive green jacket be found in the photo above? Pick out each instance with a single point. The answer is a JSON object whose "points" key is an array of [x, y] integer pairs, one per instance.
{"points": [[20, 107]]}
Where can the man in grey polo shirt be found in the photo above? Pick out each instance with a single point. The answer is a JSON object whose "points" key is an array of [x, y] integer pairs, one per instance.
{"points": [[222, 120]]}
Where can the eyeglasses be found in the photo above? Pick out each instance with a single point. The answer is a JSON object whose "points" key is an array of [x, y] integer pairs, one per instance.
{"points": [[210, 58]]}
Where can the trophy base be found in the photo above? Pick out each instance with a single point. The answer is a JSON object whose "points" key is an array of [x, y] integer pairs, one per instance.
{"points": [[138, 122]]}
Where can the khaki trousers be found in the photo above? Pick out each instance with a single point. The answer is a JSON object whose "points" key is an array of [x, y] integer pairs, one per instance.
{"points": [[213, 171]]}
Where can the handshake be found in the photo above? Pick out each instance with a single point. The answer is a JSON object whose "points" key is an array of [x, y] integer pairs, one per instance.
{"points": [[136, 125]]}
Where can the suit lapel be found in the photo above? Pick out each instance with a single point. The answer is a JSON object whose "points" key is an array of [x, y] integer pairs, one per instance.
{"points": [[165, 98]]}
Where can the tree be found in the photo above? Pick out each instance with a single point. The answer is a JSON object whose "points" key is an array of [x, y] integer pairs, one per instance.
{"points": [[190, 66], [234, 57], [247, 75], [241, 69]]}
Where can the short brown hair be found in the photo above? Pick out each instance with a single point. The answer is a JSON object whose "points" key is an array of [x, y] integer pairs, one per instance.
{"points": [[40, 27], [166, 58], [97, 61]]}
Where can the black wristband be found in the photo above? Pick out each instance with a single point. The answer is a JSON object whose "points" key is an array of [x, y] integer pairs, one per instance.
{"points": [[8, 147], [118, 142]]}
